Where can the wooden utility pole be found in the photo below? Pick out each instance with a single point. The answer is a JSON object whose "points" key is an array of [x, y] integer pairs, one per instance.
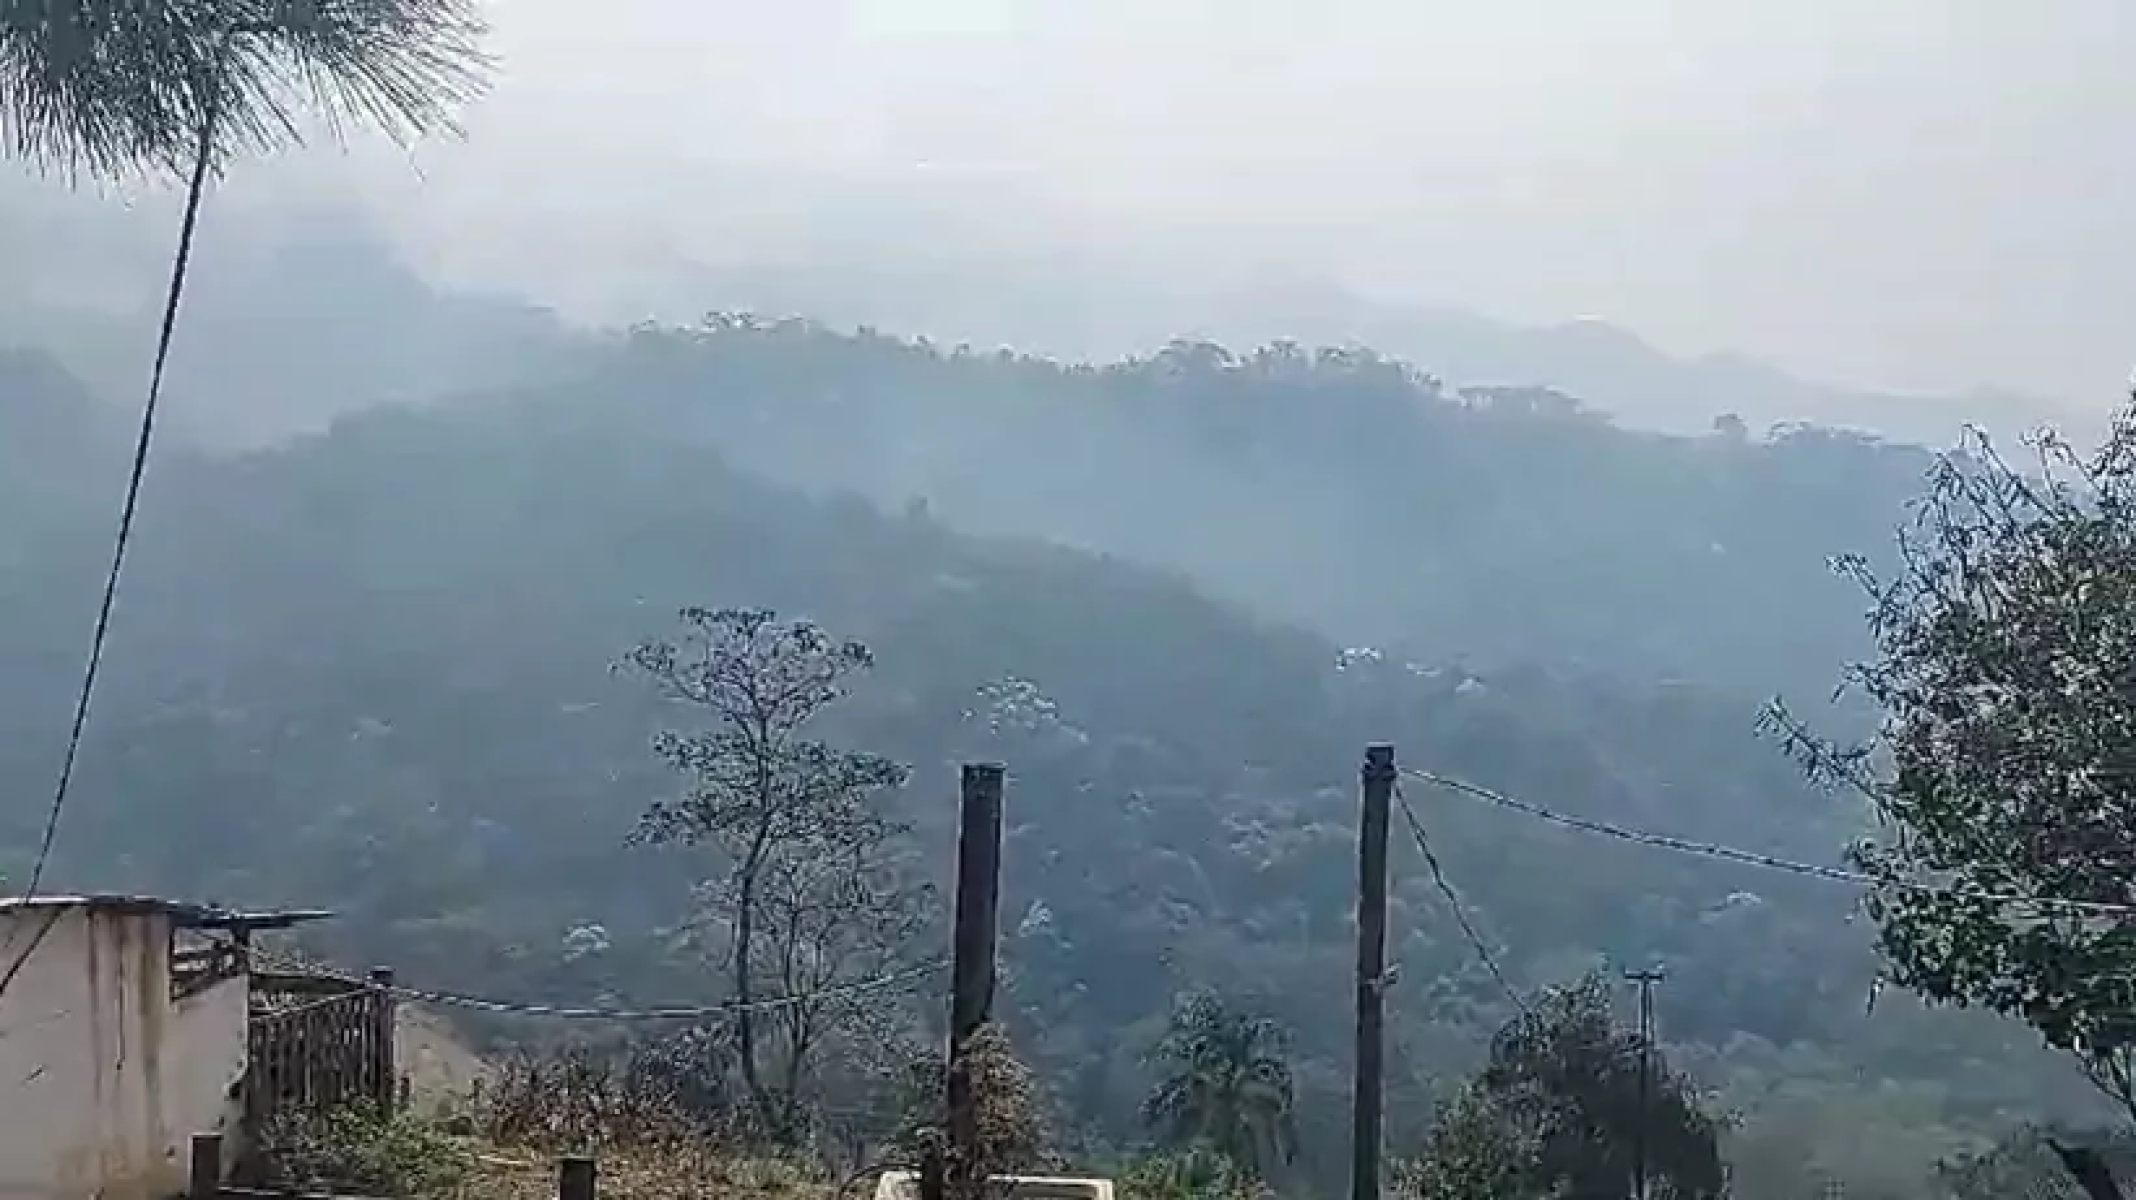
{"points": [[1378, 791], [1645, 980], [384, 1063], [972, 969]]}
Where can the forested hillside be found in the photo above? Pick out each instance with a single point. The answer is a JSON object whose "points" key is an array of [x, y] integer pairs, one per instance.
{"points": [[370, 669], [1335, 489]]}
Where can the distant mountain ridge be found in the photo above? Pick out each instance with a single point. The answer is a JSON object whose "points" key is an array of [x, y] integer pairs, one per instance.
{"points": [[1073, 311], [293, 316], [279, 274]]}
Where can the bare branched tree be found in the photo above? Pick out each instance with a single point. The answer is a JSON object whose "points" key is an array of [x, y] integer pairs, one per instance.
{"points": [[846, 911], [814, 894]]}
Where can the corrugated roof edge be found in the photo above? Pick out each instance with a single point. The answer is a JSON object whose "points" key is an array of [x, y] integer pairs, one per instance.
{"points": [[189, 915]]}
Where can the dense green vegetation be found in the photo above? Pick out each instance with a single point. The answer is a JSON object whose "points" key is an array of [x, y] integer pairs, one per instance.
{"points": [[371, 669], [1560, 1108], [1335, 489]]}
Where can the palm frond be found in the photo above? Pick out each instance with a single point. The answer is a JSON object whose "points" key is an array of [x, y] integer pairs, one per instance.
{"points": [[113, 87]]}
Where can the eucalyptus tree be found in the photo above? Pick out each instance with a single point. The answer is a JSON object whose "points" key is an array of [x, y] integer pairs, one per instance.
{"points": [[816, 893]]}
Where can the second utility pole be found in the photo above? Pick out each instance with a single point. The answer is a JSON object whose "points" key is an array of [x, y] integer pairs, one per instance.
{"points": [[1646, 980], [1378, 792], [971, 1001], [949, 1172]]}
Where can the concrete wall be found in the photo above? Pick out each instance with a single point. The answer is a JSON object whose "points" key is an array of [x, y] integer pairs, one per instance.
{"points": [[211, 1034], [103, 1080]]}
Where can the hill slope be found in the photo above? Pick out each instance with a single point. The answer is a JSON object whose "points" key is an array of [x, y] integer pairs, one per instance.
{"points": [[368, 670], [1334, 489]]}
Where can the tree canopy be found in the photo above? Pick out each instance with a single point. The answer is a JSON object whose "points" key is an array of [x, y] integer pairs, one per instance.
{"points": [[1571, 1104], [2006, 657], [118, 87]]}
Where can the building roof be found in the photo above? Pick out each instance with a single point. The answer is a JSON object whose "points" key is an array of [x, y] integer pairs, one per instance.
{"points": [[181, 913]]}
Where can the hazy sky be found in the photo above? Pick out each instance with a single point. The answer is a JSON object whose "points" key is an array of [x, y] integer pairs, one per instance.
{"points": [[1927, 193]]}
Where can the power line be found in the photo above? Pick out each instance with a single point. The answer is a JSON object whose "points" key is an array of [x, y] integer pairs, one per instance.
{"points": [[1766, 861], [589, 1013], [1453, 902], [180, 262], [29, 948]]}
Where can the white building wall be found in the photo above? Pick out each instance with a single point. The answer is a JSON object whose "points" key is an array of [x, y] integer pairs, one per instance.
{"points": [[103, 1081], [211, 1033]]}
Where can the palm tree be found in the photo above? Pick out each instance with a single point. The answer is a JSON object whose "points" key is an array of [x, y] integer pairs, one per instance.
{"points": [[116, 87], [122, 87], [1226, 1085]]}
